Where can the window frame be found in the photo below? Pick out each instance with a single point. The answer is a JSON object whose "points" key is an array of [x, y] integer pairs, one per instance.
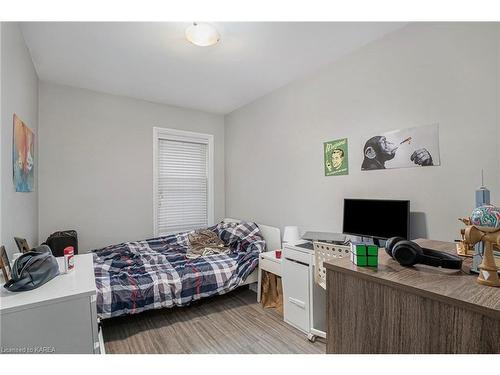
{"points": [[183, 136]]}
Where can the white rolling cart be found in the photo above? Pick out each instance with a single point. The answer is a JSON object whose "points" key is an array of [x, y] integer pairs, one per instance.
{"points": [[296, 270], [304, 294]]}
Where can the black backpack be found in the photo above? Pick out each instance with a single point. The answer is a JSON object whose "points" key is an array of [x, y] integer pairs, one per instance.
{"points": [[58, 241]]}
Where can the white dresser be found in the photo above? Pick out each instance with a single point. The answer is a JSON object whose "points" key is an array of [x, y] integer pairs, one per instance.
{"points": [[58, 317]]}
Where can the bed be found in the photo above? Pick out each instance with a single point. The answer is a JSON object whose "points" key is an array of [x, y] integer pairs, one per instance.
{"points": [[142, 275]]}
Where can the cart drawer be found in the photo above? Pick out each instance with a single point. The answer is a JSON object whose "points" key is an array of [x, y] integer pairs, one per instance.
{"points": [[296, 293]]}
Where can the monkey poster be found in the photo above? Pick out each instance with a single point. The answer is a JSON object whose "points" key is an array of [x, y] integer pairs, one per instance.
{"points": [[335, 153], [402, 148]]}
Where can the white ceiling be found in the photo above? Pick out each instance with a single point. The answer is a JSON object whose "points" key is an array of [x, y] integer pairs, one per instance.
{"points": [[153, 61]]}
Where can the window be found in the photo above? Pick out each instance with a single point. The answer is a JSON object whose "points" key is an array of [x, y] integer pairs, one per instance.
{"points": [[182, 181]]}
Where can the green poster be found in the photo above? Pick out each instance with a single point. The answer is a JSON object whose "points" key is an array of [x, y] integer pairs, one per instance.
{"points": [[336, 162]]}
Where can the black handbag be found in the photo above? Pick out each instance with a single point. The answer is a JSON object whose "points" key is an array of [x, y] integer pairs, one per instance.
{"points": [[58, 241], [33, 269]]}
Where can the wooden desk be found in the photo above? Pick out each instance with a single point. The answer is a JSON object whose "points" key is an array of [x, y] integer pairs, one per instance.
{"points": [[421, 309]]}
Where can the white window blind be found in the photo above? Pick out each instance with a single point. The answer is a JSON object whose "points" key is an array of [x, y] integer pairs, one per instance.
{"points": [[182, 186]]}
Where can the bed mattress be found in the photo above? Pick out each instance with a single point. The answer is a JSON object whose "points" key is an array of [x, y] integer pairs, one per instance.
{"points": [[132, 277]]}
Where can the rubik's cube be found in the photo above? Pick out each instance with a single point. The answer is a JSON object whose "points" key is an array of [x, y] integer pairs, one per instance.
{"points": [[364, 255]]}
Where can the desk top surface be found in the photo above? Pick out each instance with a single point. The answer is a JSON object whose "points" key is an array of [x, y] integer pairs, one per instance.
{"points": [[449, 286]]}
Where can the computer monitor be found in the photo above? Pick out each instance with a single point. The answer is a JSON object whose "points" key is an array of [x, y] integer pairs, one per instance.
{"points": [[376, 218]]}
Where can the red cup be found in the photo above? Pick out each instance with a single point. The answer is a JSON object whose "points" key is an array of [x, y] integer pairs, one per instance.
{"points": [[277, 254]]}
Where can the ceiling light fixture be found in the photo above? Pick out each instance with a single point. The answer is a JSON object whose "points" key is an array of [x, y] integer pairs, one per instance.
{"points": [[202, 34]]}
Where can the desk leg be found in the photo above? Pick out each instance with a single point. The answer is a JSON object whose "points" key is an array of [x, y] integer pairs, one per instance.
{"points": [[259, 283]]}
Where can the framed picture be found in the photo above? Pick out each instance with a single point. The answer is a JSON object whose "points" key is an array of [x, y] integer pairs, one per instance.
{"points": [[402, 148], [4, 264], [335, 157], [22, 244]]}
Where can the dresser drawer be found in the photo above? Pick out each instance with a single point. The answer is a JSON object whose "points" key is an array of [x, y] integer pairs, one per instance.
{"points": [[296, 255], [60, 328], [270, 266]]}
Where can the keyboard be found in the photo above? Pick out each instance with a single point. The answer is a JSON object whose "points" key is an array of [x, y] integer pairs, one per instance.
{"points": [[306, 245]]}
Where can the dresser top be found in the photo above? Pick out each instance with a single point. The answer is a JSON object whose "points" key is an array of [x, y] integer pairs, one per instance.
{"points": [[450, 286], [76, 284]]}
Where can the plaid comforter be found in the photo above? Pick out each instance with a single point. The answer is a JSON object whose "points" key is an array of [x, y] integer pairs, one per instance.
{"points": [[136, 276]]}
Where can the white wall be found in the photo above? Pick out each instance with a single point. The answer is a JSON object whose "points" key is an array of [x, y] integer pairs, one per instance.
{"points": [[1, 174], [96, 162], [422, 74], [19, 86]]}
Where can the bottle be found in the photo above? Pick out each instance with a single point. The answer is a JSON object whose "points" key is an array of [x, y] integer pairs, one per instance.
{"points": [[482, 198], [69, 259]]}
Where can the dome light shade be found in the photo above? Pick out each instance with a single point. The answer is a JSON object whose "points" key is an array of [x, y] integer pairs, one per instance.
{"points": [[202, 34]]}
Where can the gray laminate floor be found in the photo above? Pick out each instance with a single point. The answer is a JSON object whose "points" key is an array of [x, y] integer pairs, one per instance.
{"points": [[232, 323]]}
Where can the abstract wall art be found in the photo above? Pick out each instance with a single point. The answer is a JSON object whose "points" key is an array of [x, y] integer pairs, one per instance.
{"points": [[23, 156]]}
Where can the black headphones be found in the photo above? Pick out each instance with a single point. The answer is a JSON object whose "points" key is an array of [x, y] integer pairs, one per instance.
{"points": [[408, 253]]}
